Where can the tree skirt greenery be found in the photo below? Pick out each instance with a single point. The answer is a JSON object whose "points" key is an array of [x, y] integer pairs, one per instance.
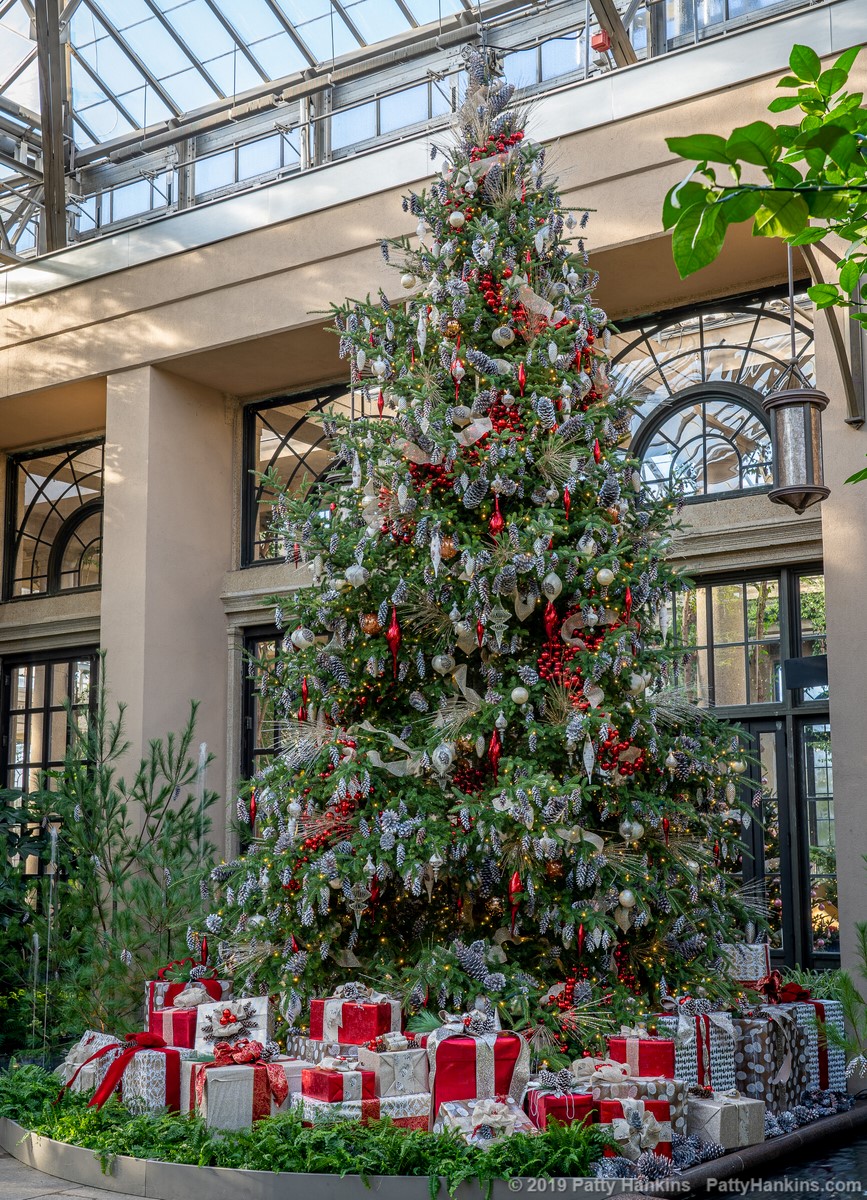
{"points": [[27, 1095]]}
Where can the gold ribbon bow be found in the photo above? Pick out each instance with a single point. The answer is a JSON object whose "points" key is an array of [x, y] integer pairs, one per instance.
{"points": [[636, 1131]]}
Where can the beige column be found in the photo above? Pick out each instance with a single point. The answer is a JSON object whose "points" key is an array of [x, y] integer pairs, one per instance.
{"points": [[169, 489], [844, 534]]}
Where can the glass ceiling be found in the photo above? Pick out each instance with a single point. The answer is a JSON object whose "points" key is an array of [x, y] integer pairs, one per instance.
{"points": [[134, 63]]}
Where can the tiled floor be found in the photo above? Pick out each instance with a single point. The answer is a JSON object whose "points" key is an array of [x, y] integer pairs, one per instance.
{"points": [[18, 1182]]}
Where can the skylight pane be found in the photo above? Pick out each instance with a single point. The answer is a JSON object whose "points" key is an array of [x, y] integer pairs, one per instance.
{"points": [[105, 120], [82, 139], [200, 29], [188, 89], [114, 68], [145, 105], [253, 19], [376, 19], [17, 20], [318, 33], [233, 72], [25, 89], [425, 11], [84, 89], [123, 13], [155, 46], [279, 56]]}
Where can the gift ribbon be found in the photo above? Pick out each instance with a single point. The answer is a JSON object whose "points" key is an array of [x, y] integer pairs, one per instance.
{"points": [[101, 1053], [694, 1033], [396, 1071], [598, 1070], [771, 985], [137, 1042], [482, 1027], [637, 1130], [353, 993], [270, 1076], [495, 1113], [633, 1036], [353, 1080]]}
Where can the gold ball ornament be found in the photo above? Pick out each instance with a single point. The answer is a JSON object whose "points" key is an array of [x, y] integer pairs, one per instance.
{"points": [[448, 549], [453, 329], [369, 623]]}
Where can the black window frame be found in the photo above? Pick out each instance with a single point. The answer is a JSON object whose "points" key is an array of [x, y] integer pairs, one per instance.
{"points": [[14, 523], [250, 752], [250, 486]]}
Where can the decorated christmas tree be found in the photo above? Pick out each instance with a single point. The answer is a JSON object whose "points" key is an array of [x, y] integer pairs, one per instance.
{"points": [[487, 784]]}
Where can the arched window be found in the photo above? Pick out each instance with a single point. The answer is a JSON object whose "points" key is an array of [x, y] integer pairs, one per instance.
{"points": [[54, 529], [708, 441], [695, 380]]}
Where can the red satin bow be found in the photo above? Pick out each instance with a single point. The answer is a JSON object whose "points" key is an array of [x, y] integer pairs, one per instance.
{"points": [[114, 1074], [169, 968], [771, 985], [794, 993], [244, 1054]]}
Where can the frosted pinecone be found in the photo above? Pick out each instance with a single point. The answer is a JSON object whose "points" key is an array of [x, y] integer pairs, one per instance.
{"points": [[787, 1122], [615, 1168], [803, 1114], [684, 1151], [652, 1166], [710, 1150]]}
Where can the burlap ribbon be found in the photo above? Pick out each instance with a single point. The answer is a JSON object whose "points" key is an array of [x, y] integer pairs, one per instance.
{"points": [[588, 1070], [244, 1054], [483, 1028], [192, 996], [633, 1035], [637, 1130], [349, 993]]}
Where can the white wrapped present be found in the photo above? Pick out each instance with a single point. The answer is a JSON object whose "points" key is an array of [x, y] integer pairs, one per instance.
{"points": [[398, 1072], [727, 1118], [81, 1070], [482, 1122], [407, 1112], [245, 1018]]}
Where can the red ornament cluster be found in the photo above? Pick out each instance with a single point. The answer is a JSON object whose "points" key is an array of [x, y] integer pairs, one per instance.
{"points": [[468, 780], [430, 476], [506, 420], [496, 144]]}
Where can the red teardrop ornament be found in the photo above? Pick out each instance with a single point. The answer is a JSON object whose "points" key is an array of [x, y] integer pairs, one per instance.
{"points": [[666, 826], [252, 809], [597, 451], [567, 501], [305, 691], [380, 403], [295, 946], [515, 890], [394, 637], [496, 523], [495, 749], [581, 940], [522, 377], [552, 620], [204, 951], [627, 606], [480, 632]]}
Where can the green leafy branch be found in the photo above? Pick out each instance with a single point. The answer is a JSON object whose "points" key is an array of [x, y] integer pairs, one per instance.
{"points": [[815, 179]]}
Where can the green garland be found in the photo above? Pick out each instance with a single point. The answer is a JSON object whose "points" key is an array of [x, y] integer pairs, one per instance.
{"points": [[27, 1095]]}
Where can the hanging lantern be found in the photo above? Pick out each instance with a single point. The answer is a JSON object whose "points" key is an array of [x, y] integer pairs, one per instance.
{"points": [[796, 432]]}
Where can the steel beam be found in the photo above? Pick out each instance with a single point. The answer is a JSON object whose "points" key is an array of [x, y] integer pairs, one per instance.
{"points": [[609, 19], [51, 92], [240, 44], [186, 48]]}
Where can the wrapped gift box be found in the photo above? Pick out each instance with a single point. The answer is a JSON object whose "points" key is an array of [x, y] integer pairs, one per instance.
{"points": [[354, 1014], [466, 1068], [162, 993], [247, 1018], [771, 1058], [177, 1026], [298, 1045], [727, 1118], [482, 1122], [674, 1091], [408, 1112], [704, 1048], [398, 1072], [235, 1095], [568, 1108], [637, 1126], [152, 1080], [748, 962], [644, 1055], [82, 1075], [826, 1063], [331, 1082]]}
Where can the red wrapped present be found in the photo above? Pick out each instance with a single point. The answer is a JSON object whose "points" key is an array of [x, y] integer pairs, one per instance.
{"points": [[136, 1043], [338, 1079], [355, 1014], [643, 1054], [177, 1026], [471, 1059], [239, 1087], [637, 1126], [183, 975], [569, 1108]]}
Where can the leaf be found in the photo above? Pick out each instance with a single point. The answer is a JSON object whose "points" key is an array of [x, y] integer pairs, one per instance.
{"points": [[850, 273], [806, 238], [789, 81], [823, 295], [828, 206], [698, 237], [858, 477], [740, 205], [783, 102], [703, 147], [805, 63], [832, 81], [837, 142], [847, 59], [680, 197], [754, 143], [782, 214]]}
